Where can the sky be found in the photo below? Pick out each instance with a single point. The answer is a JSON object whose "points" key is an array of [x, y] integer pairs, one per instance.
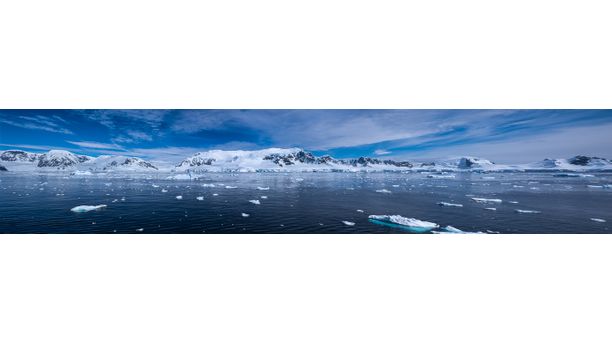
{"points": [[504, 136]]}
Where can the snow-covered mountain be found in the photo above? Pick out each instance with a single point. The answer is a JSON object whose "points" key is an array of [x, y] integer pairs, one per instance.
{"points": [[280, 160], [61, 160], [273, 160], [117, 163]]}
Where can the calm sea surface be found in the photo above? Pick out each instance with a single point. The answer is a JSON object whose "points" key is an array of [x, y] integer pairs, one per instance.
{"points": [[303, 203]]}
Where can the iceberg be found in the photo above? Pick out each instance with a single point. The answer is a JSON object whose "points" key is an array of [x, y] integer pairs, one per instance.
{"points": [[208, 185], [598, 220], [486, 200], [231, 187], [255, 201], [86, 208], [492, 209], [595, 186], [446, 204], [200, 198], [521, 211], [81, 173], [164, 190], [263, 188], [398, 221], [263, 197], [245, 215], [359, 211], [441, 176], [383, 191], [348, 223], [179, 197]]}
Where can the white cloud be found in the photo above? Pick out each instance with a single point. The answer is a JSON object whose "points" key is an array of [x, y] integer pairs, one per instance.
{"points": [[381, 152], [36, 123], [96, 145]]}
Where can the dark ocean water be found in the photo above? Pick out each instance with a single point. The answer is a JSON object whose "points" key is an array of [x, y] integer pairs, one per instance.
{"points": [[302, 203]]}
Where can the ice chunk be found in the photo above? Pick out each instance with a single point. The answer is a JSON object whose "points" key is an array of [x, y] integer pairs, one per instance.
{"points": [[598, 220], [359, 211], [383, 191], [446, 204], [86, 208], [255, 201], [155, 186], [573, 175], [215, 194], [164, 190], [81, 173], [179, 197], [398, 221], [486, 200], [263, 188], [513, 202], [299, 179], [595, 186], [441, 176], [521, 211], [395, 186], [208, 185], [348, 223], [200, 198], [230, 187], [140, 230], [263, 197], [492, 209], [245, 215], [453, 229]]}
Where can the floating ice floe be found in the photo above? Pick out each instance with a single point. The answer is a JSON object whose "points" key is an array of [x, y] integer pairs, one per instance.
{"points": [[348, 223], [263, 197], [208, 185], [492, 209], [395, 186], [231, 187], [521, 211], [446, 204], [81, 173], [441, 176], [486, 200], [215, 194], [255, 201], [573, 175], [140, 230], [179, 197], [164, 190], [263, 188], [86, 208], [359, 211], [299, 179], [398, 221], [513, 202], [245, 215], [598, 220], [383, 191], [200, 198], [595, 186], [155, 186]]}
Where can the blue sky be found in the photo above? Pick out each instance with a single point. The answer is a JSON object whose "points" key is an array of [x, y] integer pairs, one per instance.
{"points": [[501, 135]]}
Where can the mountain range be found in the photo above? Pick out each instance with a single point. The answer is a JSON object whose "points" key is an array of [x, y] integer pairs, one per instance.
{"points": [[272, 160]]}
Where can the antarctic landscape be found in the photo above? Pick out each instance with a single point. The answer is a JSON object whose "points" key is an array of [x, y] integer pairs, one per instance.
{"points": [[295, 191]]}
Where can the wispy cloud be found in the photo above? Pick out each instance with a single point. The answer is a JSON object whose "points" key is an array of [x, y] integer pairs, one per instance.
{"points": [[96, 145], [38, 122], [381, 152]]}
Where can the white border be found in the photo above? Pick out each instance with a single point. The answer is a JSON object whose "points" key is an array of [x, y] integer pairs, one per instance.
{"points": [[305, 288]]}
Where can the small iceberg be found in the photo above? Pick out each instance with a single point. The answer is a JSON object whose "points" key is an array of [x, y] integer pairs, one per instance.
{"points": [[573, 175], [81, 173], [595, 186], [598, 220], [263, 188], [441, 176], [263, 197], [446, 204], [348, 223], [180, 177], [299, 179], [398, 221], [215, 194], [245, 215], [513, 202], [521, 211], [155, 186], [359, 211], [179, 197], [255, 201], [164, 190], [383, 191], [200, 198], [492, 209], [208, 185], [86, 208], [231, 187], [140, 230], [486, 200]]}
